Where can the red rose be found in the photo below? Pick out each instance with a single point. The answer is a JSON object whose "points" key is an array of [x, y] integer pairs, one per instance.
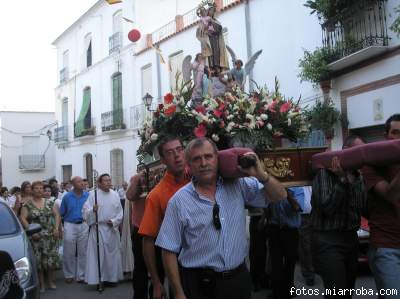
{"points": [[200, 131], [285, 107], [170, 110], [160, 106], [221, 106], [156, 114], [222, 125], [168, 98]]}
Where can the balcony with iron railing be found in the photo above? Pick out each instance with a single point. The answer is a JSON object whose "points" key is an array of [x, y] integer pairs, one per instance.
{"points": [[64, 75], [85, 127], [31, 162], [115, 42], [358, 35], [61, 134], [113, 120]]}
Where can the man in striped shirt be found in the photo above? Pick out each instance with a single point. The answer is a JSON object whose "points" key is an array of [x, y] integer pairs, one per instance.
{"points": [[205, 225]]}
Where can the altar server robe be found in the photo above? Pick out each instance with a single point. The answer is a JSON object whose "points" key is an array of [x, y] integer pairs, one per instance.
{"points": [[109, 208]]}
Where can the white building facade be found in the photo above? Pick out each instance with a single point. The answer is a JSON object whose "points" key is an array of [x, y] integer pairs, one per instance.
{"points": [[103, 76], [27, 148], [366, 81]]}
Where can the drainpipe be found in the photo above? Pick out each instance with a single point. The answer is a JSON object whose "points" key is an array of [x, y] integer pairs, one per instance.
{"points": [[248, 39], [158, 75]]}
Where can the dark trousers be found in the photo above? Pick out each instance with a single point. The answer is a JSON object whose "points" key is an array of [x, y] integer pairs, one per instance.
{"points": [[140, 276], [335, 257], [305, 233], [283, 244], [257, 252], [202, 284]]}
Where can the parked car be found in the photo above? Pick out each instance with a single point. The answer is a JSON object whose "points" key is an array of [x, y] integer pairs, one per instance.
{"points": [[363, 239], [14, 240]]}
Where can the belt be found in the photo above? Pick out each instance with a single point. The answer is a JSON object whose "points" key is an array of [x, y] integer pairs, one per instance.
{"points": [[77, 222], [222, 275]]}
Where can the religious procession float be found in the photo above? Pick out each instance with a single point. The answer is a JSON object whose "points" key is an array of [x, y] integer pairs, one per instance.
{"points": [[210, 101]]}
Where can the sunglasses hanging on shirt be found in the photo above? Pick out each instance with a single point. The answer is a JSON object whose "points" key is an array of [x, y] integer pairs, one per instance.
{"points": [[216, 220]]}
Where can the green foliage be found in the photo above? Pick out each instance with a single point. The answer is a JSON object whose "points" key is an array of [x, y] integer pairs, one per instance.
{"points": [[314, 65], [395, 27], [330, 11], [323, 116]]}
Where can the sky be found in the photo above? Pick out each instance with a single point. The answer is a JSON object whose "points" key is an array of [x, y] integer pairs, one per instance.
{"points": [[28, 62]]}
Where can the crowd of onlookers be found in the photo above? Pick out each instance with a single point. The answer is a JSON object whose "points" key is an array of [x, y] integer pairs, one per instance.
{"points": [[41, 202]]}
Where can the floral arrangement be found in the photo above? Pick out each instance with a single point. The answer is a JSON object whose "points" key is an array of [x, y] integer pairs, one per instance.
{"points": [[235, 119]]}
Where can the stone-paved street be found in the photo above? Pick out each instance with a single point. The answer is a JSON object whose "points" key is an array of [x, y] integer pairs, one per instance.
{"points": [[124, 290]]}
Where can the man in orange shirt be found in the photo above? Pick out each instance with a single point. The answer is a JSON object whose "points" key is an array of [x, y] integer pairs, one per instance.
{"points": [[172, 154]]}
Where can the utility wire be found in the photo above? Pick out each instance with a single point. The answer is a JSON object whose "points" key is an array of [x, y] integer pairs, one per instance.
{"points": [[30, 133]]}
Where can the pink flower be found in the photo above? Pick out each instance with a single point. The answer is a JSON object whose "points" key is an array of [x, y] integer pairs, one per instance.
{"points": [[271, 107], [217, 113], [200, 131], [260, 123], [201, 109], [285, 107]]}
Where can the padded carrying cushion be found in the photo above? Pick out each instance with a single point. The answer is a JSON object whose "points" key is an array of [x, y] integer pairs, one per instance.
{"points": [[228, 162], [382, 153]]}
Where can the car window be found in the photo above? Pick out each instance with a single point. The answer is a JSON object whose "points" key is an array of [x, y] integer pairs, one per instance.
{"points": [[8, 221]]}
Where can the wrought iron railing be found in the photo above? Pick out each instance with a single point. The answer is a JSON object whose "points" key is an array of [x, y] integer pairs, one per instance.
{"points": [[64, 75], [164, 32], [364, 25], [61, 134], [115, 42], [31, 162], [113, 120], [88, 128]]}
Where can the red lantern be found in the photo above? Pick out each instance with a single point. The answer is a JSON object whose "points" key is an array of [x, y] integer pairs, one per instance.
{"points": [[134, 35]]}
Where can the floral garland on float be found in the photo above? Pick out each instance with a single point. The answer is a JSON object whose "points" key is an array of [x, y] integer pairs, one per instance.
{"points": [[236, 119]]}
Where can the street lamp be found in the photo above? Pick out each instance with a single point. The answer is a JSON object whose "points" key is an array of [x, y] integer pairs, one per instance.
{"points": [[147, 100]]}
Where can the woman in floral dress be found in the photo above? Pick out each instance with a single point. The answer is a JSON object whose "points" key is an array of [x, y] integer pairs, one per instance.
{"points": [[41, 211]]}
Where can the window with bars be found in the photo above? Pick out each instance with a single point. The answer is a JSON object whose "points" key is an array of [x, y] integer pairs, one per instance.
{"points": [[88, 49]]}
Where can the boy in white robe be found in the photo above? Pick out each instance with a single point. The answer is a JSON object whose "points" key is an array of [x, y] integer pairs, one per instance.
{"points": [[110, 216]]}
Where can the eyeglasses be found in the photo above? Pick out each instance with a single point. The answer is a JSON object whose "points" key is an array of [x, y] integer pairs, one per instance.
{"points": [[216, 220]]}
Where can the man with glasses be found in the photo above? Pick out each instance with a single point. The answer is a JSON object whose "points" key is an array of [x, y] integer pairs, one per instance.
{"points": [[205, 225], [172, 154]]}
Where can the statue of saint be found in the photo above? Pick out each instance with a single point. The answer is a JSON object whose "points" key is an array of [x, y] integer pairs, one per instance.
{"points": [[210, 35]]}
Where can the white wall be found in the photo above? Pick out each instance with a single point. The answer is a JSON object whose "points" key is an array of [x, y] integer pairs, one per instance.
{"points": [[26, 123], [365, 102]]}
